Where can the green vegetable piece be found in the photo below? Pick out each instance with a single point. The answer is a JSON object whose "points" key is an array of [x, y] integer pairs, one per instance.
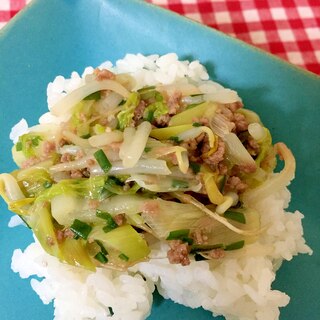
{"points": [[147, 149], [148, 94], [110, 223], [150, 116], [167, 132], [35, 141], [178, 234], [86, 136], [197, 124], [101, 257], [123, 257], [125, 116], [103, 249], [94, 96], [41, 222], [186, 116], [195, 167], [156, 109], [111, 311], [19, 146], [124, 239], [199, 257], [91, 188], [102, 160], [236, 216], [175, 139], [28, 144], [115, 186], [81, 229], [47, 184], [234, 246], [180, 184], [75, 253], [205, 247]]}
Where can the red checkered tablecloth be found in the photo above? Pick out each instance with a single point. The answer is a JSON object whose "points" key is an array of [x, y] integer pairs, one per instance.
{"points": [[289, 29]]}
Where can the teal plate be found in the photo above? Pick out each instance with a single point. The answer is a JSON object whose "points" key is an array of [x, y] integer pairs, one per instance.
{"points": [[58, 36]]}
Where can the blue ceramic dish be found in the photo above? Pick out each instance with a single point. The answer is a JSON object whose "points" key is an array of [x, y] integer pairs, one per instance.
{"points": [[58, 36]]}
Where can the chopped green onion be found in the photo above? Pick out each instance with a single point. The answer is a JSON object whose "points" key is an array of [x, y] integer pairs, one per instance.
{"points": [[101, 257], [236, 216], [178, 234], [122, 256], [196, 94], [234, 246], [93, 96], [150, 116], [175, 139], [205, 247], [110, 223], [103, 249], [80, 229], [187, 240], [19, 146], [35, 140], [47, 184], [147, 149], [86, 136], [111, 311], [179, 184], [102, 160], [199, 257], [195, 167], [197, 124]]}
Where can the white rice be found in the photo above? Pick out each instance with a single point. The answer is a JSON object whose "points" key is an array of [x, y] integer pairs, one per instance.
{"points": [[237, 287]]}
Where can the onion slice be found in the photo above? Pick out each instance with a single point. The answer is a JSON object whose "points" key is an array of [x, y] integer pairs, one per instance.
{"points": [[278, 181], [70, 100]]}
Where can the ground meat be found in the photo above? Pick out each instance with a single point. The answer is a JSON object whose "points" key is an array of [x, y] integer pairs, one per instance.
{"points": [[63, 234], [234, 106], [103, 74], [204, 121], [30, 162], [76, 174], [174, 102], [253, 146], [66, 157], [235, 184], [240, 121], [222, 168], [179, 253], [48, 148], [215, 158], [216, 253], [237, 121], [119, 219], [62, 142], [162, 121], [50, 241], [199, 237], [138, 112], [93, 203], [194, 147]]}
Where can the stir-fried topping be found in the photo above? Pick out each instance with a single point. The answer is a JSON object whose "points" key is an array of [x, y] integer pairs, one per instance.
{"points": [[168, 161]]}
